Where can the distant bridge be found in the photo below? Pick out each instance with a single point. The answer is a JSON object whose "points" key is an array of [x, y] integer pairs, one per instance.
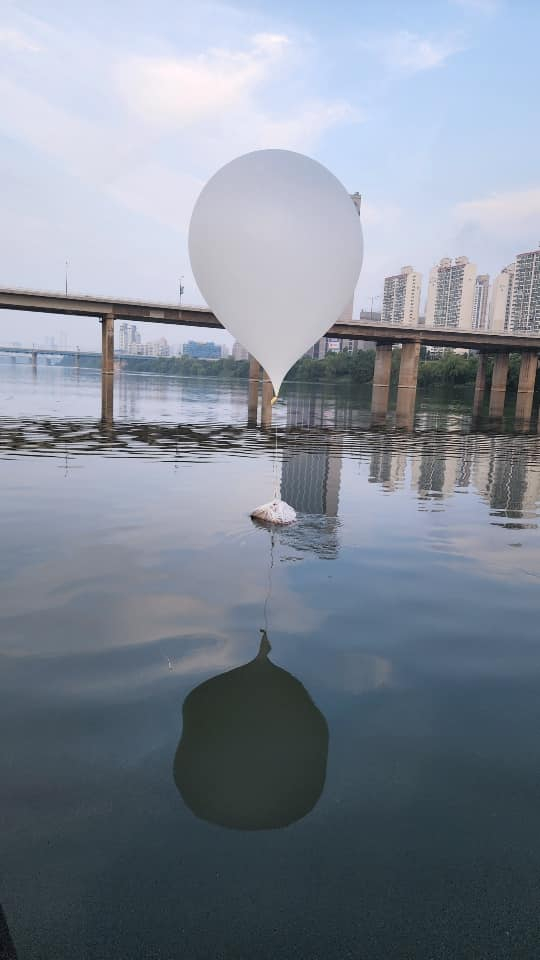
{"points": [[50, 351]]}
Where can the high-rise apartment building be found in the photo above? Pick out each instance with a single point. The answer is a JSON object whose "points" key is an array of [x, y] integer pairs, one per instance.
{"points": [[501, 299], [525, 306], [515, 299], [401, 298], [128, 336], [480, 302], [123, 338], [451, 294]]}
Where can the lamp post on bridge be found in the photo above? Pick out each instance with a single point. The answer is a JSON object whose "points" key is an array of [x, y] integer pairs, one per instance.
{"points": [[180, 291], [67, 267], [376, 297]]}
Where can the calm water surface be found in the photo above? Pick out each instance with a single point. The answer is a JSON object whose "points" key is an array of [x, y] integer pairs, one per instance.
{"points": [[380, 792]]}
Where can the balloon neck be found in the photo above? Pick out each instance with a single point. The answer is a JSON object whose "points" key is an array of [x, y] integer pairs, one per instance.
{"points": [[265, 647], [274, 398]]}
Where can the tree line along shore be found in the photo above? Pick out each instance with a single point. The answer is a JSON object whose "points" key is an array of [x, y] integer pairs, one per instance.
{"points": [[449, 369]]}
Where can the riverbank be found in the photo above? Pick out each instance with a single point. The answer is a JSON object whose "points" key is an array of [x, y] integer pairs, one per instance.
{"points": [[448, 370]]}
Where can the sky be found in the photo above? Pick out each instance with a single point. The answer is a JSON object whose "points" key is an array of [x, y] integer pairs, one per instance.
{"points": [[114, 115]]}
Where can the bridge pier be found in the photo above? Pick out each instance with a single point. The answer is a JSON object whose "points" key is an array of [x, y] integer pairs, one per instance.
{"points": [[498, 386], [33, 359], [480, 385], [107, 344], [408, 380], [266, 406], [253, 390], [107, 367], [525, 394], [380, 390]]}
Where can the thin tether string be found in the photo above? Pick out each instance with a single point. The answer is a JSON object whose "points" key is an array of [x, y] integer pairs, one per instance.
{"points": [[276, 474], [269, 590]]}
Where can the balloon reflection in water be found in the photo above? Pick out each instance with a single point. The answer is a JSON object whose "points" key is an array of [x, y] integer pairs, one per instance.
{"points": [[254, 747], [7, 950]]}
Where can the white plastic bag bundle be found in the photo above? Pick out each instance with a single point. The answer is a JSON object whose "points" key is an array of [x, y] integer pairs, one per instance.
{"points": [[277, 511]]}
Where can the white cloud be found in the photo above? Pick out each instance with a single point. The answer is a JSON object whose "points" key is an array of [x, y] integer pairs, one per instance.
{"points": [[502, 211], [16, 41], [386, 215], [299, 131], [413, 53], [181, 91], [158, 192], [164, 117]]}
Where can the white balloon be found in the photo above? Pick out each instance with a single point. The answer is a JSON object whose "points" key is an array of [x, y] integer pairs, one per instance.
{"points": [[275, 245]]}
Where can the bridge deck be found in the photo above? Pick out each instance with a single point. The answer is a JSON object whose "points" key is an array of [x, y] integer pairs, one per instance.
{"points": [[83, 306], [154, 312]]}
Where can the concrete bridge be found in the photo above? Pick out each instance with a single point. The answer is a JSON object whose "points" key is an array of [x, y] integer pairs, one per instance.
{"points": [[500, 345], [34, 351]]}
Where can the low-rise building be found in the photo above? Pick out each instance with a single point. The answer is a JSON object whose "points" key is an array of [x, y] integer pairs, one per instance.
{"points": [[202, 351]]}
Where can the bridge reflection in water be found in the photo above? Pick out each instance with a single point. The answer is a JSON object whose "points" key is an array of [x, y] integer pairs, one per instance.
{"points": [[437, 461]]}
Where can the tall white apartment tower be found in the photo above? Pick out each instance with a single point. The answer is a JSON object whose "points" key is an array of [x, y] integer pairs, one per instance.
{"points": [[347, 313], [123, 340], [480, 302], [401, 297], [451, 294], [525, 306], [501, 299]]}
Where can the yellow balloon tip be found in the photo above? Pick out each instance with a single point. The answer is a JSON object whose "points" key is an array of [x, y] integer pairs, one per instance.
{"points": [[274, 399]]}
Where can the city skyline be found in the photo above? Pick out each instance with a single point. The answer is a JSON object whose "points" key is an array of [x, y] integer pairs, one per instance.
{"points": [[174, 102], [461, 298], [457, 296]]}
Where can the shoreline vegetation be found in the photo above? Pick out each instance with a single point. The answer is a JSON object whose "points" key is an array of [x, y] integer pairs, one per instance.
{"points": [[451, 369]]}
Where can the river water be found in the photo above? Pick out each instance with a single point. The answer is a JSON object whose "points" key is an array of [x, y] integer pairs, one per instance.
{"points": [[376, 797]]}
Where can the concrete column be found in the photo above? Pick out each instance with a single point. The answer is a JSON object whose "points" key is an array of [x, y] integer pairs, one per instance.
{"points": [[480, 385], [107, 399], [107, 345], [408, 379], [498, 386], [34, 358], [253, 390], [527, 380], [266, 408], [381, 381]]}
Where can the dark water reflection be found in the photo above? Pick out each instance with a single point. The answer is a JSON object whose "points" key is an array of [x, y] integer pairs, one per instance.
{"points": [[379, 779], [254, 747]]}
